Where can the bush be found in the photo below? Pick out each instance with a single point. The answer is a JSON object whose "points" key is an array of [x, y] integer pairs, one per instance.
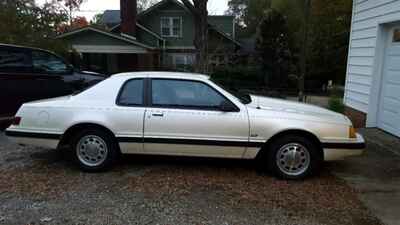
{"points": [[239, 77], [337, 91], [336, 104]]}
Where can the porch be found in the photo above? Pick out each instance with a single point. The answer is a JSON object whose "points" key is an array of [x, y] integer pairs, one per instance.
{"points": [[104, 52]]}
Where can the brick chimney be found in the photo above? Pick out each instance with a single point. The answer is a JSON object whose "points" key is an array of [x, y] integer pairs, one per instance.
{"points": [[128, 17]]}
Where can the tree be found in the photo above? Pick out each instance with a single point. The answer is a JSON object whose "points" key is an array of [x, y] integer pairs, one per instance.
{"points": [[22, 22], [329, 39], [304, 52], [200, 15], [97, 18], [70, 6], [248, 14], [273, 46], [144, 4], [77, 22]]}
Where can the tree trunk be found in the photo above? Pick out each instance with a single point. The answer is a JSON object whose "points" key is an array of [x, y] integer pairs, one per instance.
{"points": [[200, 15], [304, 52]]}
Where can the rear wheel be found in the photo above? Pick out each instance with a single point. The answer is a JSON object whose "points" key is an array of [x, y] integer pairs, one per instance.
{"points": [[94, 150], [293, 157]]}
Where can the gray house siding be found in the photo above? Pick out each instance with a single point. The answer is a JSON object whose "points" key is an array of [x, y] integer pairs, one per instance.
{"points": [[152, 20]]}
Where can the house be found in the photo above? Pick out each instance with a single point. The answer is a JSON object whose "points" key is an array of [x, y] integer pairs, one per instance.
{"points": [[372, 91], [160, 37]]}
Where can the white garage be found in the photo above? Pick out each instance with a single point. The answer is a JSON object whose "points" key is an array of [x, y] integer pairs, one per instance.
{"points": [[372, 92], [389, 109]]}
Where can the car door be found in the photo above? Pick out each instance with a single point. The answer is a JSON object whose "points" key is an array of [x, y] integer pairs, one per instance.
{"points": [[17, 82], [184, 118], [128, 116]]}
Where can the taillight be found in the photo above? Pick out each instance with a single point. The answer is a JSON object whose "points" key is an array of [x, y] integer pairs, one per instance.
{"points": [[16, 120]]}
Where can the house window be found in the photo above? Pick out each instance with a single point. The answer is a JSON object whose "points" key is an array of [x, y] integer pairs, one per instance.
{"points": [[180, 61], [396, 35], [171, 26]]}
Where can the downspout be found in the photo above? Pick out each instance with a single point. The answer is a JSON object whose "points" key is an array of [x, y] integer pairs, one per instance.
{"points": [[163, 53]]}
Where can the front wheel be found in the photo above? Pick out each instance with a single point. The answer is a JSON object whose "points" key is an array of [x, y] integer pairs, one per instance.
{"points": [[294, 157], [94, 150]]}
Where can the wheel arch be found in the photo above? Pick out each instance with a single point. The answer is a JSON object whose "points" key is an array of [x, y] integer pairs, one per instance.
{"points": [[69, 132], [295, 132]]}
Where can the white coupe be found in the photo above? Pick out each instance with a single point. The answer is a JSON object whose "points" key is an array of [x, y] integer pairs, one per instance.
{"points": [[185, 115]]}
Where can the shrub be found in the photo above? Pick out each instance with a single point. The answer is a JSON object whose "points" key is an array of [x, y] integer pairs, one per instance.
{"points": [[336, 104], [239, 76]]}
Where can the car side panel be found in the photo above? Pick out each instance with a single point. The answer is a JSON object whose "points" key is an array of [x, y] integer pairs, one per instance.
{"points": [[196, 132], [125, 122], [265, 124]]}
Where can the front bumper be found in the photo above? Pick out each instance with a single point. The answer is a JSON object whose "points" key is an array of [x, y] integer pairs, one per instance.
{"points": [[341, 150]]}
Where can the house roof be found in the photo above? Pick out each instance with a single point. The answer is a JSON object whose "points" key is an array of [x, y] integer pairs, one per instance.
{"points": [[147, 30], [223, 23], [161, 3], [113, 17], [225, 35], [125, 38]]}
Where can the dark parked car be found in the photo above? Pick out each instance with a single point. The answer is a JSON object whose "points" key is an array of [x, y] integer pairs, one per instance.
{"points": [[28, 74]]}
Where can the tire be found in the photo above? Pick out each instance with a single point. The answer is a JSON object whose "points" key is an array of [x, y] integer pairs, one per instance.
{"points": [[94, 150], [293, 158]]}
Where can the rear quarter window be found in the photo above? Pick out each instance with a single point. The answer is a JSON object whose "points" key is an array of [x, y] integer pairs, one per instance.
{"points": [[14, 60], [131, 93]]}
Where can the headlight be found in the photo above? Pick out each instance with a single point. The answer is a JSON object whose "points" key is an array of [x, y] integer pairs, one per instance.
{"points": [[352, 132]]}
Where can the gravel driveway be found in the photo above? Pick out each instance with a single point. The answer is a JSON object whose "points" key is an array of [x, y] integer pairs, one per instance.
{"points": [[39, 186]]}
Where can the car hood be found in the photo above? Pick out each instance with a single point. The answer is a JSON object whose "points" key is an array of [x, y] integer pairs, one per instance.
{"points": [[294, 109]]}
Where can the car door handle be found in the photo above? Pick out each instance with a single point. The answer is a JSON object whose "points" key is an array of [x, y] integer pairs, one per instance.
{"points": [[158, 114]]}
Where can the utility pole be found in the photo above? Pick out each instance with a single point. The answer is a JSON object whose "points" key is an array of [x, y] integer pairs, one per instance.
{"points": [[304, 50]]}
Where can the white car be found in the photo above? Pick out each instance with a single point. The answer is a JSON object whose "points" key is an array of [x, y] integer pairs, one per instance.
{"points": [[185, 115]]}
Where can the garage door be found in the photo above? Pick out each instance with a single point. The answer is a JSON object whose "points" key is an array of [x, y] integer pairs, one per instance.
{"points": [[389, 109]]}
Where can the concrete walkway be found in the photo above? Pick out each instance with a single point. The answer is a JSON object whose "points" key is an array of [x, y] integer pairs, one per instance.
{"points": [[376, 175]]}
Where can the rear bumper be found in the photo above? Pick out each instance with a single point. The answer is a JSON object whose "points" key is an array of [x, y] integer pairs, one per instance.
{"points": [[34, 139], [338, 151]]}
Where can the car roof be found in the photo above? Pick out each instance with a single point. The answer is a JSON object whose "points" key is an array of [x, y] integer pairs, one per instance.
{"points": [[20, 46], [175, 75]]}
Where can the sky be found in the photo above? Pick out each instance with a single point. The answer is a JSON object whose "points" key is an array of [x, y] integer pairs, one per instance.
{"points": [[91, 7]]}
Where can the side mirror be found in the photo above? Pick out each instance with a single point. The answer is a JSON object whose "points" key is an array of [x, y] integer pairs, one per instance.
{"points": [[70, 69], [227, 106]]}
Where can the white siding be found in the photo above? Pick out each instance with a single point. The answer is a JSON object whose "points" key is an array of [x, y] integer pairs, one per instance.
{"points": [[367, 14]]}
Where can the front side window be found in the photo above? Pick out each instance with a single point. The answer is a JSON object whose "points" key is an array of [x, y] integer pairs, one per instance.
{"points": [[131, 93], [185, 94], [171, 26], [14, 60], [44, 62]]}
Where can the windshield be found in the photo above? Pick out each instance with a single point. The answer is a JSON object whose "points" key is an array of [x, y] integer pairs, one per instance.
{"points": [[244, 98]]}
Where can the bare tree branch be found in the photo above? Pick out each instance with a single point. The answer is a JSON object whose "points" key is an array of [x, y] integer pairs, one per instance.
{"points": [[190, 6]]}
